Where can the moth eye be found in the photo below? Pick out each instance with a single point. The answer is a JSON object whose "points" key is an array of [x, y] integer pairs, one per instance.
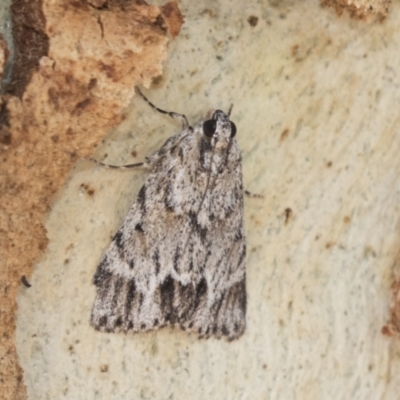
{"points": [[233, 129], [209, 127]]}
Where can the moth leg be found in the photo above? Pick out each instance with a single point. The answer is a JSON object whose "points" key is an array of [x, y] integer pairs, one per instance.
{"points": [[181, 117], [116, 166]]}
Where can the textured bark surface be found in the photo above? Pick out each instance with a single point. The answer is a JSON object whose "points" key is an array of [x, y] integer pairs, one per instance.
{"points": [[75, 68], [392, 328]]}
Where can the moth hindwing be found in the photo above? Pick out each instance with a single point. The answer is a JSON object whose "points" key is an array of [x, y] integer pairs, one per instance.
{"points": [[179, 257]]}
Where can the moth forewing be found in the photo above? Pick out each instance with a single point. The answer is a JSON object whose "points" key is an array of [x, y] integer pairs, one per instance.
{"points": [[179, 257]]}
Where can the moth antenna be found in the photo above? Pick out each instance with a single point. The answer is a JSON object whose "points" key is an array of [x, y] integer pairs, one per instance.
{"points": [[181, 117], [230, 110]]}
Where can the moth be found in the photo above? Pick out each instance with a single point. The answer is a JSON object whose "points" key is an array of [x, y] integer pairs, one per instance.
{"points": [[179, 257]]}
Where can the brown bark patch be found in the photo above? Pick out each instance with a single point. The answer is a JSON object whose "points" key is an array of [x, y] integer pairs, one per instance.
{"points": [[360, 9]]}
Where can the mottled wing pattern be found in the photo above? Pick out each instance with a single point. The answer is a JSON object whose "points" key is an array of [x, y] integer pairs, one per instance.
{"points": [[179, 256]]}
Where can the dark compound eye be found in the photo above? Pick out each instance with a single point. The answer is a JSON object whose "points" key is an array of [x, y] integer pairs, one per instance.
{"points": [[209, 127], [233, 129]]}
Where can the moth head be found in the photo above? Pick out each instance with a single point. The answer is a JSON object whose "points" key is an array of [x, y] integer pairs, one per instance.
{"points": [[219, 128]]}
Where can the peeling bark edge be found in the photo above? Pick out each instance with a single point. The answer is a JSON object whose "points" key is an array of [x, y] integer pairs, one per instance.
{"points": [[30, 43]]}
